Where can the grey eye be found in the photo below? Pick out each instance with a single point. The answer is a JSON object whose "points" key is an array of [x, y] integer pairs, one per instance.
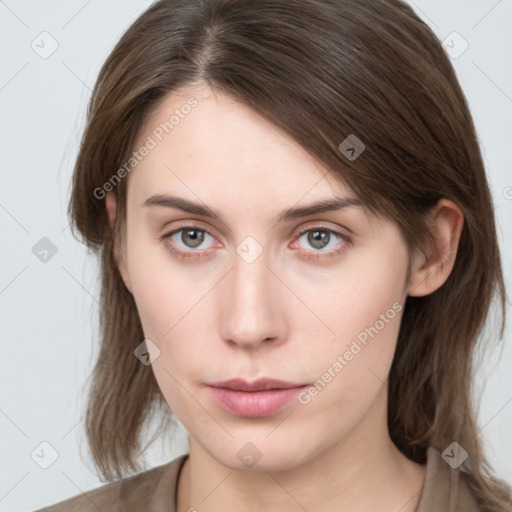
{"points": [[320, 238], [192, 237]]}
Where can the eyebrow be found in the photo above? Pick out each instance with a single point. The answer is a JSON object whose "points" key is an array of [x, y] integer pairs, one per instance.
{"points": [[322, 206]]}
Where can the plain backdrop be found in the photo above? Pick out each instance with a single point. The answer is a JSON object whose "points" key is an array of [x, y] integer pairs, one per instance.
{"points": [[48, 308]]}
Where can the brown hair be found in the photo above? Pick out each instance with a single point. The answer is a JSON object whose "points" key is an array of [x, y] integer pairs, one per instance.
{"points": [[320, 70]]}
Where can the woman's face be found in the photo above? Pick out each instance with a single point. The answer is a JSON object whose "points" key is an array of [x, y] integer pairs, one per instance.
{"points": [[259, 291]]}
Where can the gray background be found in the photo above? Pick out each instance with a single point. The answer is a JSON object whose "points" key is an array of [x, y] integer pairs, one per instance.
{"points": [[48, 308]]}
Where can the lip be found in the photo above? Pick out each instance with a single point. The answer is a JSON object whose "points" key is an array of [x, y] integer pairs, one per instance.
{"points": [[260, 398]]}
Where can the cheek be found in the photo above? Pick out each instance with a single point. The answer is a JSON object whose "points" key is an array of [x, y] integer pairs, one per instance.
{"points": [[361, 308], [364, 294], [165, 290], [173, 303], [171, 312]]}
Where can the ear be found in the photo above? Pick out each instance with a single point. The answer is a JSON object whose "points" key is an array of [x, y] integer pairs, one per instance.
{"points": [[429, 272], [119, 252]]}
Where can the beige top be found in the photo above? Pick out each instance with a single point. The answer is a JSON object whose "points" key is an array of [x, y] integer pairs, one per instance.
{"points": [[154, 490]]}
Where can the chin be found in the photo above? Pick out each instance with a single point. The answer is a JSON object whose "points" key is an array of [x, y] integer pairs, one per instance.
{"points": [[261, 456]]}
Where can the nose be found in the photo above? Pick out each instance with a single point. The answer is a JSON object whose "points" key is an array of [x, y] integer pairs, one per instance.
{"points": [[252, 312]]}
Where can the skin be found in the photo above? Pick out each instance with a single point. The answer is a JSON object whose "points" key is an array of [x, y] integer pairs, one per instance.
{"points": [[284, 315]]}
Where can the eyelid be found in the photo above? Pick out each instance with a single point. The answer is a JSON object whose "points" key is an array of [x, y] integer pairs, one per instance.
{"points": [[320, 226]]}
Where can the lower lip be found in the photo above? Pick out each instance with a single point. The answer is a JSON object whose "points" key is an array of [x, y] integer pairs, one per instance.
{"points": [[254, 404]]}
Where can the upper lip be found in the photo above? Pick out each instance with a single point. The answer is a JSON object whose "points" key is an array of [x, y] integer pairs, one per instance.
{"points": [[258, 385]]}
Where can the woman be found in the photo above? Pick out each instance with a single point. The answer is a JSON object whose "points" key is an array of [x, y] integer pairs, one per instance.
{"points": [[298, 254]]}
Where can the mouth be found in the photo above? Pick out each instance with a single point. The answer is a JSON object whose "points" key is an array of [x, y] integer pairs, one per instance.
{"points": [[261, 398]]}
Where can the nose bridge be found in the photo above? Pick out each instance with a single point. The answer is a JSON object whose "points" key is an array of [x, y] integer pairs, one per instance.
{"points": [[251, 308]]}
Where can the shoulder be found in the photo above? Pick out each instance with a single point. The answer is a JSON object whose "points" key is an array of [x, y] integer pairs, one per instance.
{"points": [[152, 490], [445, 488]]}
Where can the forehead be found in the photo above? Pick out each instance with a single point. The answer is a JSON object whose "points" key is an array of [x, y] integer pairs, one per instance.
{"points": [[206, 145]]}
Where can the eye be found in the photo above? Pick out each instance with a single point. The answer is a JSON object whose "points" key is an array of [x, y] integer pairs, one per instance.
{"points": [[192, 237], [325, 242], [186, 239]]}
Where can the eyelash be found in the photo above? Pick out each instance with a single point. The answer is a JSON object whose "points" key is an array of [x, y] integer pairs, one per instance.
{"points": [[314, 256]]}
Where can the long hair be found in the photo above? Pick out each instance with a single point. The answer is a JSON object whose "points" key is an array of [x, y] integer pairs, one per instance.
{"points": [[319, 70]]}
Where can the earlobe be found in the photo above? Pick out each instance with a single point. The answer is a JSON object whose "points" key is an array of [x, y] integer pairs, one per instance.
{"points": [[430, 272], [119, 254]]}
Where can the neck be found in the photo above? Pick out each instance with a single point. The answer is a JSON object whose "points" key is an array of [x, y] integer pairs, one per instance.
{"points": [[362, 472]]}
